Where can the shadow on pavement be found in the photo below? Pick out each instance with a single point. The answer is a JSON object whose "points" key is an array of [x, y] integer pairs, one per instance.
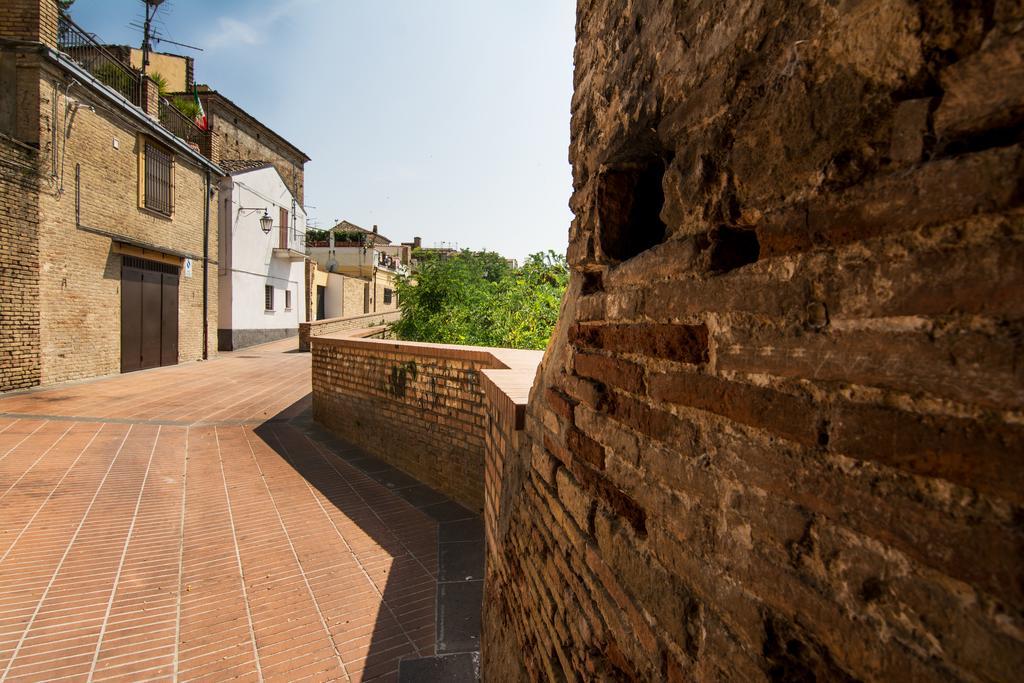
{"points": [[430, 574]]}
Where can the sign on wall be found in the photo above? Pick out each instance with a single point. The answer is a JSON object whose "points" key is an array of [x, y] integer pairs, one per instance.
{"points": [[188, 267]]}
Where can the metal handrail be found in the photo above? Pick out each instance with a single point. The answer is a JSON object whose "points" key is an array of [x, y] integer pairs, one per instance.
{"points": [[182, 126], [83, 47]]}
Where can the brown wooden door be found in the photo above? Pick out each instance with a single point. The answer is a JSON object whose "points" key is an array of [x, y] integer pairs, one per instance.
{"points": [[169, 320], [149, 314], [131, 319]]}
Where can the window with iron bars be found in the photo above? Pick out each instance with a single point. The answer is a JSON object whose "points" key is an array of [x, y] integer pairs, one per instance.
{"points": [[159, 182], [268, 297]]}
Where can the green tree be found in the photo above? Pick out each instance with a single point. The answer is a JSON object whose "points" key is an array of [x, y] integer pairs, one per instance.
{"points": [[478, 298]]}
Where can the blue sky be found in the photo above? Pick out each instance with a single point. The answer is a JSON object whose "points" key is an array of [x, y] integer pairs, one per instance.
{"points": [[447, 119]]}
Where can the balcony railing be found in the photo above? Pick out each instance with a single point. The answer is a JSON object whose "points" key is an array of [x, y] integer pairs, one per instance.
{"points": [[84, 49], [184, 127]]}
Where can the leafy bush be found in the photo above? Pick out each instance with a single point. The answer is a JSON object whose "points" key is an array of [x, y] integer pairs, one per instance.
{"points": [[478, 298], [315, 235], [187, 106]]}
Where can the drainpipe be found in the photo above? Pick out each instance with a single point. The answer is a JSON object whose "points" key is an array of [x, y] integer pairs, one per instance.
{"points": [[206, 258]]}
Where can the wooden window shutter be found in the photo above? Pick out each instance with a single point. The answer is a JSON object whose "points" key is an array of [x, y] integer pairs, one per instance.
{"points": [[284, 228]]}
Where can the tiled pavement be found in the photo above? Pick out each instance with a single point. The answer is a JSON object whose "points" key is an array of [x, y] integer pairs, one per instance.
{"points": [[189, 523]]}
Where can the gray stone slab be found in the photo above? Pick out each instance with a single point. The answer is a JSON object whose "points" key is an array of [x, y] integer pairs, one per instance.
{"points": [[368, 464], [460, 561], [394, 478], [458, 668], [458, 616], [421, 496], [448, 511], [461, 530]]}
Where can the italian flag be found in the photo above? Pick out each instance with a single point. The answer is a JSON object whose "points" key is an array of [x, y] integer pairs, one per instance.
{"points": [[200, 112]]}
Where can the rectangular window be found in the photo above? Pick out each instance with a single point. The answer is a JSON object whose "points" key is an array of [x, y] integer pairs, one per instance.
{"points": [[158, 181], [287, 299], [268, 297], [387, 295]]}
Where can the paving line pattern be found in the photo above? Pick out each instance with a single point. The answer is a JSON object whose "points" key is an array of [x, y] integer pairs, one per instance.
{"points": [[200, 536]]}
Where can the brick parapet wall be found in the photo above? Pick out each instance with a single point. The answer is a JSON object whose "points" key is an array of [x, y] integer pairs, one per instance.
{"points": [[420, 407], [318, 328], [776, 433], [34, 20], [19, 266]]}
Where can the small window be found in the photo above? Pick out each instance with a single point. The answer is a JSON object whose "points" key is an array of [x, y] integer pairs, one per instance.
{"points": [[158, 181], [387, 295], [268, 297], [287, 299]]}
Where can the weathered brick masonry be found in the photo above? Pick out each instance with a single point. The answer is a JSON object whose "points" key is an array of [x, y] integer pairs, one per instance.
{"points": [[420, 407], [331, 325], [240, 136], [777, 435], [19, 266], [70, 191], [80, 273]]}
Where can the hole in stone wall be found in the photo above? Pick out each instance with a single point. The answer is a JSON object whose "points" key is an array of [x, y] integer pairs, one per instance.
{"points": [[592, 283], [733, 248], [629, 201]]}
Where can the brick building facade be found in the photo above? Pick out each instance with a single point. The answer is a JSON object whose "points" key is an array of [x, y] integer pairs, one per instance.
{"points": [[83, 166], [19, 263], [240, 135], [777, 433]]}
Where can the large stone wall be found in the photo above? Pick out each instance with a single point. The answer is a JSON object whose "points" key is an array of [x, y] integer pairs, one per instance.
{"points": [[316, 328], [34, 20], [79, 270], [239, 137], [69, 187], [777, 435], [19, 265], [422, 408]]}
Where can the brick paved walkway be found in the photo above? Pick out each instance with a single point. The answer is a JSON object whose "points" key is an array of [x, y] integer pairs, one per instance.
{"points": [[152, 528]]}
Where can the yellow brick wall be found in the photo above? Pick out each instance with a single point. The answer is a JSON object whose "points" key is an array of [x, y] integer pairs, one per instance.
{"points": [[419, 409], [29, 20], [79, 272], [19, 266], [382, 281], [352, 296], [237, 139]]}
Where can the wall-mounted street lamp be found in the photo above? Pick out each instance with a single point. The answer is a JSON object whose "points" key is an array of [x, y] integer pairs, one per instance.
{"points": [[266, 222]]}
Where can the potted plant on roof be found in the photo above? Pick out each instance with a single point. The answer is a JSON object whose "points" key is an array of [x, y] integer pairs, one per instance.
{"points": [[316, 238]]}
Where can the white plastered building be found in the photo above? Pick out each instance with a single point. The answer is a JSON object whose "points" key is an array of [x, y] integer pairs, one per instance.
{"points": [[262, 292]]}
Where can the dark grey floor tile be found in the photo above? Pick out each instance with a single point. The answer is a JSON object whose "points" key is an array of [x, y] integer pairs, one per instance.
{"points": [[461, 561], [421, 496], [394, 478], [458, 668], [448, 511], [458, 616], [461, 530], [368, 464]]}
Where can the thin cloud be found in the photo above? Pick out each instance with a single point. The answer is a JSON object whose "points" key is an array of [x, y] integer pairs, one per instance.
{"points": [[234, 32]]}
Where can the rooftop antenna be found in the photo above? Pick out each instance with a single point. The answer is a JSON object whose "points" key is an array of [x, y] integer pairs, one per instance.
{"points": [[147, 30]]}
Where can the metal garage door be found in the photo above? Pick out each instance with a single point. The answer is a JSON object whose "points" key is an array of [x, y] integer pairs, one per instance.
{"points": [[149, 314]]}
